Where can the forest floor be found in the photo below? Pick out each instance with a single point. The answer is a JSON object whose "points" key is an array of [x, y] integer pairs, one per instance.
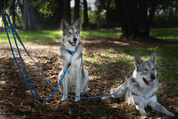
{"points": [[109, 62]]}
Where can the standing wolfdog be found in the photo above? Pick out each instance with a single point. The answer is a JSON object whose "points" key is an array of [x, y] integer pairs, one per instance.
{"points": [[142, 91], [76, 79]]}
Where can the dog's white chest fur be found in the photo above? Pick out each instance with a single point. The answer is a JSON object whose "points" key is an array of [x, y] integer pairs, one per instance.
{"points": [[75, 64], [138, 100]]}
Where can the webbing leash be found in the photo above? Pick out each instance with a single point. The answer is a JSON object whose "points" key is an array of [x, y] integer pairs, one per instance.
{"points": [[55, 89]]}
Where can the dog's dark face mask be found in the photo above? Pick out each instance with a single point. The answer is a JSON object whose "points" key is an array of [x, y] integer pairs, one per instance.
{"points": [[147, 70], [71, 34]]}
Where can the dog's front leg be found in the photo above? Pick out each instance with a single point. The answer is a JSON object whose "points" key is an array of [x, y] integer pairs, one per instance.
{"points": [[78, 86], [141, 109], [158, 107], [65, 87]]}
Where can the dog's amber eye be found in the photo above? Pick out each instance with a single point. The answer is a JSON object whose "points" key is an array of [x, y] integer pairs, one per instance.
{"points": [[76, 33], [69, 34], [153, 68], [145, 69]]}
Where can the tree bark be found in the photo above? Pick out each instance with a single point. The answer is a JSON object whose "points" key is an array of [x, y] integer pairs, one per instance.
{"points": [[76, 10], [133, 17], [13, 10], [108, 18], [85, 12], [31, 17], [67, 11], [28, 24], [121, 16], [25, 20], [151, 16]]}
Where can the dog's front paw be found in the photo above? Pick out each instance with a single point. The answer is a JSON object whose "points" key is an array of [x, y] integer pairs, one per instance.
{"points": [[170, 114], [64, 98], [77, 99]]}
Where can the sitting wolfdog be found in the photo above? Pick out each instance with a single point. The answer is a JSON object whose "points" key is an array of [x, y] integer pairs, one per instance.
{"points": [[76, 79], [142, 87]]}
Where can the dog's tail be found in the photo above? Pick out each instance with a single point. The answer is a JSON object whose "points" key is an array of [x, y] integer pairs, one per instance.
{"points": [[111, 92]]}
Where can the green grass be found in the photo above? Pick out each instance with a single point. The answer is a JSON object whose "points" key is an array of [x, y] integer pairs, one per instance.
{"points": [[100, 33], [54, 36], [46, 37], [167, 33]]}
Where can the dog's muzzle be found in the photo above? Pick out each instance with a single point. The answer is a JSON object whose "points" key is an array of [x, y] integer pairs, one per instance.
{"points": [[150, 83], [73, 43]]}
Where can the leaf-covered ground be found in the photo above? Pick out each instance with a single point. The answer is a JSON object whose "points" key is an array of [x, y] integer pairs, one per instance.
{"points": [[109, 62]]}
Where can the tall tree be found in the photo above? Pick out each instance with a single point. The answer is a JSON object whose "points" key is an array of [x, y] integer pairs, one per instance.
{"points": [[134, 17], [76, 10], [85, 12], [67, 11]]}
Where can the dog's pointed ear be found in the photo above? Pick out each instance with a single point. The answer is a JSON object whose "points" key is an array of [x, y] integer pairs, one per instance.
{"points": [[64, 24], [78, 24], [137, 60], [153, 57]]}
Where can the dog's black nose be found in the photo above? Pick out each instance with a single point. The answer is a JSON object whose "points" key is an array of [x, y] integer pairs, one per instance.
{"points": [[152, 76], [75, 39]]}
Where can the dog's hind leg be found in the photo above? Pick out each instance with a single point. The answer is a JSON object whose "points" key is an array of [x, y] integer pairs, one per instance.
{"points": [[84, 82]]}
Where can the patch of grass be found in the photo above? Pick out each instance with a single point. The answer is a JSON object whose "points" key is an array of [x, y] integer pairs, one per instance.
{"points": [[87, 34], [46, 37], [54, 36], [121, 108], [167, 33]]}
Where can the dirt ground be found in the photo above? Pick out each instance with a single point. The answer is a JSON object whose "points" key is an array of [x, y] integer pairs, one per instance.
{"points": [[16, 101]]}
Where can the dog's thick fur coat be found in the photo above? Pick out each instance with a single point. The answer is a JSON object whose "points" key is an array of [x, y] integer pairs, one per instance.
{"points": [[142, 92], [76, 79]]}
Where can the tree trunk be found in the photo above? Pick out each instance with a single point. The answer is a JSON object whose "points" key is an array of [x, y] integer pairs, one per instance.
{"points": [[121, 16], [28, 24], [67, 11], [85, 12], [25, 20], [133, 17], [76, 10], [13, 12], [108, 17], [151, 16], [31, 17]]}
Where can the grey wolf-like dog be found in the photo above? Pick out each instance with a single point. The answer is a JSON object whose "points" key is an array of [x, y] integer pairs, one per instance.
{"points": [[142, 91], [76, 79]]}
